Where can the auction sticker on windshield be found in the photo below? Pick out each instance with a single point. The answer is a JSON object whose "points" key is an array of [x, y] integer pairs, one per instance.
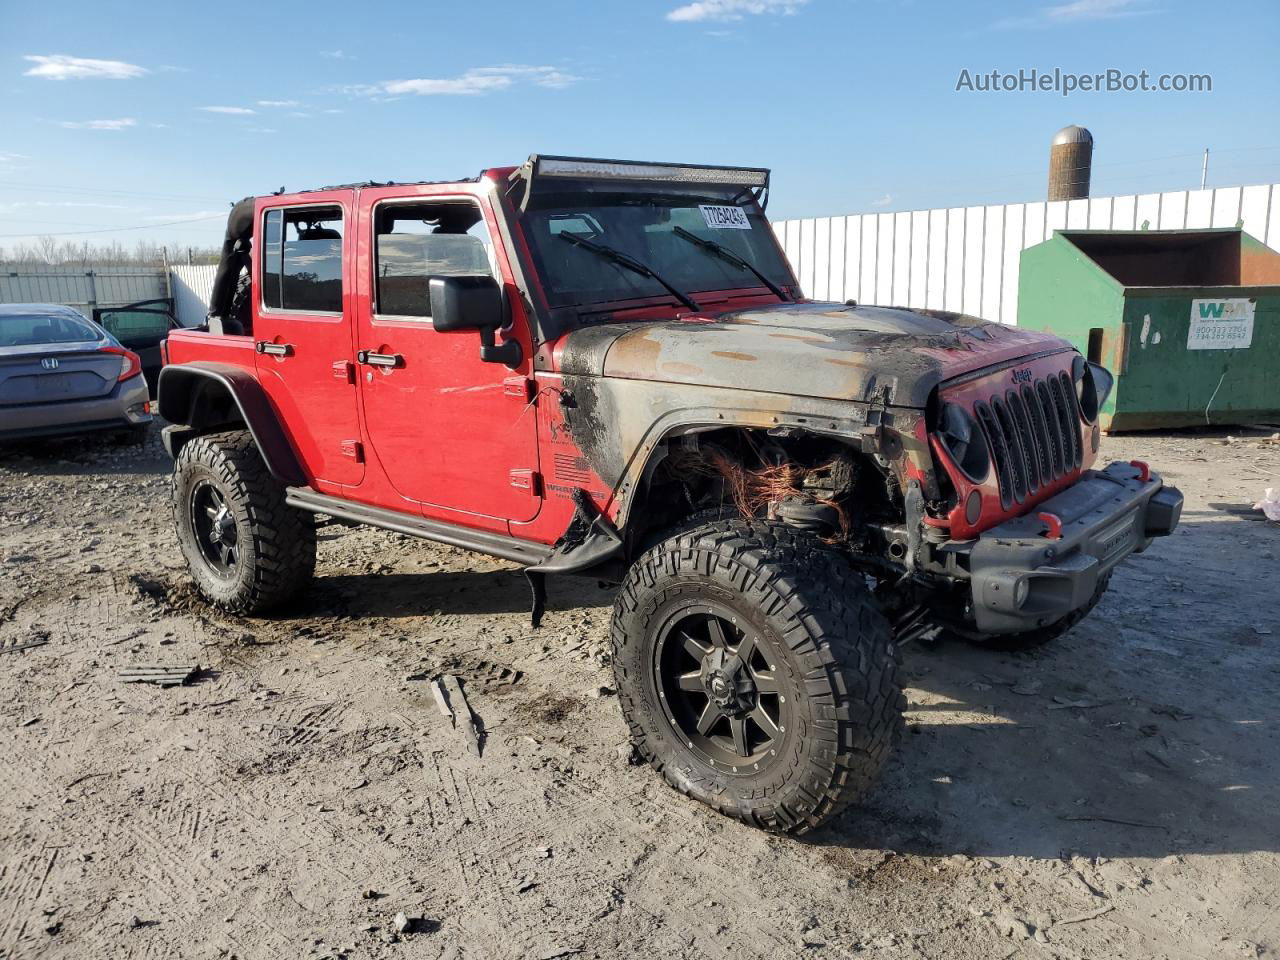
{"points": [[724, 218], [1220, 324]]}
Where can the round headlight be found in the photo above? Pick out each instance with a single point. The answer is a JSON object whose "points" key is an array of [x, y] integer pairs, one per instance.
{"points": [[963, 439]]}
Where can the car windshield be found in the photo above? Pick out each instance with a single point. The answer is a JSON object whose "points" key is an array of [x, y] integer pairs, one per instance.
{"points": [[647, 228], [33, 330]]}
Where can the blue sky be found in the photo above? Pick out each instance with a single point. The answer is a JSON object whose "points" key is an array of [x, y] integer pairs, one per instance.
{"points": [[140, 114]]}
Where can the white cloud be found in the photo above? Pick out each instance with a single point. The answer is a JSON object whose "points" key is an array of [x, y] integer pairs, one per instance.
{"points": [[336, 55], [724, 10], [234, 111], [883, 201], [1097, 10], [120, 124], [468, 84], [13, 157], [277, 103], [1079, 11], [195, 215], [59, 66], [478, 80]]}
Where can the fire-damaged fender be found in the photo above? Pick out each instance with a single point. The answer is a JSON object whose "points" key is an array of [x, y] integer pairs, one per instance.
{"points": [[195, 397], [620, 426]]}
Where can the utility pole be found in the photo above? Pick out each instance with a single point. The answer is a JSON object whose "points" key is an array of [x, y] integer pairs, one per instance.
{"points": [[1204, 169]]}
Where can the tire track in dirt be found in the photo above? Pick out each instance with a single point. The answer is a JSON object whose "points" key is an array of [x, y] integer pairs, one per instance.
{"points": [[22, 884]]}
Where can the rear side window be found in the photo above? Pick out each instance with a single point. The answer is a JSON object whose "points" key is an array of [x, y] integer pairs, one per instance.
{"points": [[34, 331], [302, 259], [417, 241]]}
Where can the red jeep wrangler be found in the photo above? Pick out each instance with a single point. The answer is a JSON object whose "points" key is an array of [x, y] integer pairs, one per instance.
{"points": [[606, 369]]}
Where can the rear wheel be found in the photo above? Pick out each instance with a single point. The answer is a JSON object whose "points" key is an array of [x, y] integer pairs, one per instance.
{"points": [[756, 673], [247, 551]]}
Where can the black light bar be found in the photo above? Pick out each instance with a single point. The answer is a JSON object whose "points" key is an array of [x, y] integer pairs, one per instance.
{"points": [[540, 166], [584, 168]]}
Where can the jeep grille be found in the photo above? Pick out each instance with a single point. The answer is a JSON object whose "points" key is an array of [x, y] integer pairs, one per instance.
{"points": [[1034, 433]]}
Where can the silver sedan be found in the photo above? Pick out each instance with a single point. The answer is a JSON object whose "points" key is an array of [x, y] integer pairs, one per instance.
{"points": [[62, 374]]}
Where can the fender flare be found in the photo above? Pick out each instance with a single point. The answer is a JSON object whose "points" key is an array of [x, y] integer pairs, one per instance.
{"points": [[179, 393]]}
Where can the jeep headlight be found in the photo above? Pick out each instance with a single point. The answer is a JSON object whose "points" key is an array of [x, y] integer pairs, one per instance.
{"points": [[1093, 386], [964, 441]]}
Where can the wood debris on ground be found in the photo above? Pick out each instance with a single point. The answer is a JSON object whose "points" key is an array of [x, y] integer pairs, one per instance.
{"points": [[160, 674]]}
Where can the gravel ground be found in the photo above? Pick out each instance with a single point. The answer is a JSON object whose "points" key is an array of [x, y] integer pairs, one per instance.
{"points": [[1113, 795]]}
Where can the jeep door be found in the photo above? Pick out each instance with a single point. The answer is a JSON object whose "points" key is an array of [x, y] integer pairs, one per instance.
{"points": [[450, 431], [302, 330]]}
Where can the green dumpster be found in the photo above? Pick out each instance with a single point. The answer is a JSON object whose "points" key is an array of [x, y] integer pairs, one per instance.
{"points": [[1187, 320]]}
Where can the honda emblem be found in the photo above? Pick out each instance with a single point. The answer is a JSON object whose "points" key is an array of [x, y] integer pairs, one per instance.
{"points": [[49, 363]]}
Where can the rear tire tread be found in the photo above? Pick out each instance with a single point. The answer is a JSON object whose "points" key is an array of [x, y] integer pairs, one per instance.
{"points": [[282, 539]]}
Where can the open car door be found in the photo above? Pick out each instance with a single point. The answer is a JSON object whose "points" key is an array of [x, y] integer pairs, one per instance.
{"points": [[142, 327]]}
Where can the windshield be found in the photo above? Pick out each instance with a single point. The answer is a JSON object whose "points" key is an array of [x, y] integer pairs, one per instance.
{"points": [[643, 226], [26, 330]]}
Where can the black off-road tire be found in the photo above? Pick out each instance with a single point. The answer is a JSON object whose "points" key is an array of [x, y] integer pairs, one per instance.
{"points": [[277, 544], [1032, 639], [834, 658]]}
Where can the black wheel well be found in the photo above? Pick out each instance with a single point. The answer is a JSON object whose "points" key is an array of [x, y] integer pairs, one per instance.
{"points": [[208, 399], [748, 471]]}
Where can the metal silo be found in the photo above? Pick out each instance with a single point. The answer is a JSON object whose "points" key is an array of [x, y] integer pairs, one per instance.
{"points": [[1070, 163]]}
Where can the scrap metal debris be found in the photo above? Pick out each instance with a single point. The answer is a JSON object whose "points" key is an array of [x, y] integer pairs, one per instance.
{"points": [[1081, 918], [161, 674], [36, 641], [441, 699], [449, 697], [1088, 818]]}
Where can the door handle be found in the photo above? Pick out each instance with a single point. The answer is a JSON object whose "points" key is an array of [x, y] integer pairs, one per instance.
{"points": [[372, 359], [274, 349]]}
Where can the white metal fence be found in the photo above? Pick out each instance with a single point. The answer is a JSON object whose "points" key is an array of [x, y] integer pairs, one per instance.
{"points": [[82, 287], [967, 258], [89, 286], [192, 287]]}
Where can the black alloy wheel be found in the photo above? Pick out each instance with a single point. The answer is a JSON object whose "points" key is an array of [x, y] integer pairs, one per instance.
{"points": [[215, 528], [718, 681]]}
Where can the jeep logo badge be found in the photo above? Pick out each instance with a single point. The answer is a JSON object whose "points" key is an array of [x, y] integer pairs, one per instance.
{"points": [[1022, 376], [49, 363]]}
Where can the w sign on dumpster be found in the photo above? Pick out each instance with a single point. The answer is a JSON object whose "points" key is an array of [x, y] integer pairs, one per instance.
{"points": [[1220, 324]]}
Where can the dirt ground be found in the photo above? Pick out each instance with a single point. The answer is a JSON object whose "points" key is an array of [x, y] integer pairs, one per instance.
{"points": [[1113, 795]]}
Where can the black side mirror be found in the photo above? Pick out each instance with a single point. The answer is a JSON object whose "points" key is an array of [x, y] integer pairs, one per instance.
{"points": [[473, 302]]}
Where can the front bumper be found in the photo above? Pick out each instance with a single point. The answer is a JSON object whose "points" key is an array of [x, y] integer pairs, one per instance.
{"points": [[123, 407], [1021, 580]]}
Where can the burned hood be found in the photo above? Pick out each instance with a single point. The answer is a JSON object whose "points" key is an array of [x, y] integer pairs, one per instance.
{"points": [[829, 350]]}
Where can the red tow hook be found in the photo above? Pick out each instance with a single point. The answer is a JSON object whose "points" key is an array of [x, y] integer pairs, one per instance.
{"points": [[1144, 471], [1053, 523]]}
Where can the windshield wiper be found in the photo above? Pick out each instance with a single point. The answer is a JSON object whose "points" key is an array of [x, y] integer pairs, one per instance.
{"points": [[631, 263], [724, 253]]}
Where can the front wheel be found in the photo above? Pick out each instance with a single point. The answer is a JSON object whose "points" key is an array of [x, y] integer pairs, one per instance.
{"points": [[756, 672], [247, 550]]}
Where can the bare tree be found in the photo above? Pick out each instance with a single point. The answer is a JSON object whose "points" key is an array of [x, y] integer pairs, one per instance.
{"points": [[112, 253]]}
